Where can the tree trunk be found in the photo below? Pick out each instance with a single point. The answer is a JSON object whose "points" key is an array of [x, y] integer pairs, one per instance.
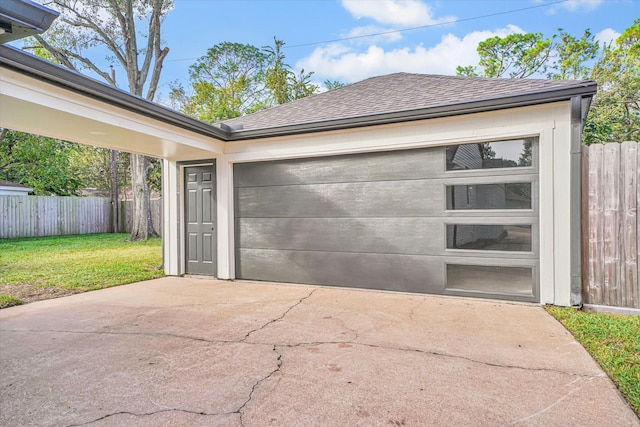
{"points": [[142, 227]]}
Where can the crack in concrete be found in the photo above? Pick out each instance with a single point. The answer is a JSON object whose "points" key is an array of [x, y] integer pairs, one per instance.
{"points": [[280, 317], [415, 308], [146, 414], [559, 400], [435, 353], [260, 381], [274, 346], [149, 334]]}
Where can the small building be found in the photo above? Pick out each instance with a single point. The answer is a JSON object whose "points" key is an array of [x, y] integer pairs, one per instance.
{"points": [[407, 182], [8, 188]]}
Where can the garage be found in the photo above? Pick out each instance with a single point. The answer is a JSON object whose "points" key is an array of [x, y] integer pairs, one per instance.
{"points": [[460, 219], [406, 182]]}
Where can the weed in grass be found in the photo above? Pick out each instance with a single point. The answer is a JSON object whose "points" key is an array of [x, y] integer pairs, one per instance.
{"points": [[613, 341], [9, 301]]}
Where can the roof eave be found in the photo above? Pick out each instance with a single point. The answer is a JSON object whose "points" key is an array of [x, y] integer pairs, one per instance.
{"points": [[24, 18], [585, 90], [25, 63]]}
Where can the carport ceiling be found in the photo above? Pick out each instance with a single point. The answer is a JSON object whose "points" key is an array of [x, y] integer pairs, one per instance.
{"points": [[45, 99]]}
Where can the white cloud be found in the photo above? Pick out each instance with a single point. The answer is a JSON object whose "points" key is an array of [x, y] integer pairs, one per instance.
{"points": [[575, 5], [340, 62], [607, 36], [406, 13]]}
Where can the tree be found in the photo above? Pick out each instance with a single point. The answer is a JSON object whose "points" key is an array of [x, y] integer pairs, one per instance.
{"points": [[574, 55], [114, 24], [283, 84], [229, 81], [516, 56], [43, 164], [235, 79], [615, 112]]}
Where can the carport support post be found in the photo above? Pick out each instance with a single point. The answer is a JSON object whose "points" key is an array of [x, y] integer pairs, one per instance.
{"points": [[171, 244], [225, 218]]}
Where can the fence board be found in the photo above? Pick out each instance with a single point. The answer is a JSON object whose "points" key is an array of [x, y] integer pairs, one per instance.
{"points": [[629, 231], [611, 181], [36, 216], [596, 224], [612, 233]]}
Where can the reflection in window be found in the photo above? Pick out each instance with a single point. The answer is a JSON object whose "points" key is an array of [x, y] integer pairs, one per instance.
{"points": [[489, 237], [489, 196], [490, 279], [487, 155]]}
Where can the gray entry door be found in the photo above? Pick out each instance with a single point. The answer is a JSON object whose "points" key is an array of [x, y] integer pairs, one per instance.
{"points": [[200, 220]]}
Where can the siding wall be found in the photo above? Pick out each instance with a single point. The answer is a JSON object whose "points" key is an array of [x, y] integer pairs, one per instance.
{"points": [[611, 225], [36, 216]]}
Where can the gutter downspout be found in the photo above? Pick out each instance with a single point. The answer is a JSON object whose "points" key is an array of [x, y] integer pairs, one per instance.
{"points": [[579, 110]]}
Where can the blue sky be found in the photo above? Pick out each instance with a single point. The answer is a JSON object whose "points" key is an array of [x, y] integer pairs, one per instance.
{"points": [[447, 35], [195, 25]]}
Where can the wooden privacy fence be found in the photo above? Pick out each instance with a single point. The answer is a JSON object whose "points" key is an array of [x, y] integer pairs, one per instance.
{"points": [[34, 216], [611, 224]]}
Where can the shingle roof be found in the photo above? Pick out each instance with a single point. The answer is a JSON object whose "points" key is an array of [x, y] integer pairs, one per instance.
{"points": [[397, 93], [4, 183]]}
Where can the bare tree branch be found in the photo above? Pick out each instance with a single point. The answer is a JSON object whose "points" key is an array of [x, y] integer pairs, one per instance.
{"points": [[57, 53], [85, 22]]}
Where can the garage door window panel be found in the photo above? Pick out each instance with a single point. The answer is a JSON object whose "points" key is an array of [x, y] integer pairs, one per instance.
{"points": [[490, 237], [505, 280], [491, 155], [489, 196]]}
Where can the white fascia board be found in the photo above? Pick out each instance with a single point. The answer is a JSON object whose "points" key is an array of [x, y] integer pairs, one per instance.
{"points": [[67, 115]]}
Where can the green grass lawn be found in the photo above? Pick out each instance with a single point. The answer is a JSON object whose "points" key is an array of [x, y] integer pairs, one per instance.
{"points": [[46, 267], [613, 341]]}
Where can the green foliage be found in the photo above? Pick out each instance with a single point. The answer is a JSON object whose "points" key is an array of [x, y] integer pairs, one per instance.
{"points": [[235, 79], [277, 75], [613, 341], [515, 56], [283, 84], [467, 71], [615, 112], [333, 84], [9, 301], [229, 81], [41, 163], [573, 55]]}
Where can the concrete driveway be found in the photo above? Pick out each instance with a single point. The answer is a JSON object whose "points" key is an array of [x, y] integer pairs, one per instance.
{"points": [[180, 351]]}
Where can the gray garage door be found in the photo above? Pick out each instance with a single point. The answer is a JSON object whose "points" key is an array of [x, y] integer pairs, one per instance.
{"points": [[457, 220]]}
